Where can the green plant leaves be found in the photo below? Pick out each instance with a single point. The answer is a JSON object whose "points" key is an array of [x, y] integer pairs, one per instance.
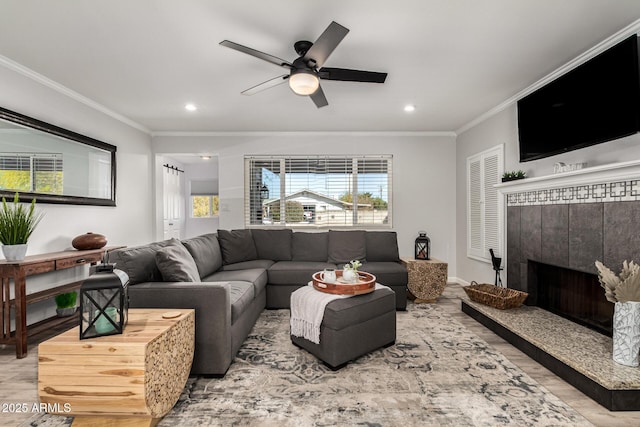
{"points": [[17, 222]]}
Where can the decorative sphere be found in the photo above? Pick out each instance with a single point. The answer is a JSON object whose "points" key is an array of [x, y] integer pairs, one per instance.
{"points": [[89, 241]]}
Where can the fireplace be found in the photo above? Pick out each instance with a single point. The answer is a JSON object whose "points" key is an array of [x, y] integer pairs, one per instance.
{"points": [[572, 294]]}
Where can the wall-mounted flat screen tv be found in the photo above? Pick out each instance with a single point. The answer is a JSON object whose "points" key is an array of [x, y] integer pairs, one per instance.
{"points": [[595, 102]]}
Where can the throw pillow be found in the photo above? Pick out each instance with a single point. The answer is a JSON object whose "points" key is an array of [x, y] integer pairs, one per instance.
{"points": [[382, 246], [309, 246], [176, 264], [237, 246], [273, 244], [205, 251], [346, 246]]}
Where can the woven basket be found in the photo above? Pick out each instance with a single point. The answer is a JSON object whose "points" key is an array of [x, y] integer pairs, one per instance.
{"points": [[495, 296]]}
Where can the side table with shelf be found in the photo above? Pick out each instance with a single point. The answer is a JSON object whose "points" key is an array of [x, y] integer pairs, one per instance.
{"points": [[427, 278], [16, 273]]}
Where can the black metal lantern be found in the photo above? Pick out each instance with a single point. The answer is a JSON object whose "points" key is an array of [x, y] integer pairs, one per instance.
{"points": [[104, 302], [423, 246]]}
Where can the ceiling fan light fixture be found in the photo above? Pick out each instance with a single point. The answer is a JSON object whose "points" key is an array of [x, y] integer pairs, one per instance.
{"points": [[303, 82]]}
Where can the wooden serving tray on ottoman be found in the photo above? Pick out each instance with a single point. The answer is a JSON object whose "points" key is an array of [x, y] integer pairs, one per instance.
{"points": [[366, 283]]}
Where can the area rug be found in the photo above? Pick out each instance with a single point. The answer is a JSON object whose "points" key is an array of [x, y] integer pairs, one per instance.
{"points": [[437, 374]]}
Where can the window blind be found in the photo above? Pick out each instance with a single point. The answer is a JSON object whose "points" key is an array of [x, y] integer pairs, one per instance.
{"points": [[318, 191]]}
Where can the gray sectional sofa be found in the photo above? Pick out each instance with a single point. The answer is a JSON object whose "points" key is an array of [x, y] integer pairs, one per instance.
{"points": [[231, 276]]}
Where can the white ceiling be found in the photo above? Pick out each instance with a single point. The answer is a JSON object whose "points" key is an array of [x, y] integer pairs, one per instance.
{"points": [[453, 59]]}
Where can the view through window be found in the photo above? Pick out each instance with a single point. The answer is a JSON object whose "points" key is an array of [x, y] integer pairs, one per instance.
{"points": [[31, 172], [318, 191]]}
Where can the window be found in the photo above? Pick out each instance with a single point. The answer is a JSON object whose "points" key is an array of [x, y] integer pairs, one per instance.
{"points": [[204, 206], [318, 191], [484, 222], [31, 172], [204, 199]]}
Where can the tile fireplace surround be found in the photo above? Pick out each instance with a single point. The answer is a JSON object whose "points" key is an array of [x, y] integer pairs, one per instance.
{"points": [[569, 220]]}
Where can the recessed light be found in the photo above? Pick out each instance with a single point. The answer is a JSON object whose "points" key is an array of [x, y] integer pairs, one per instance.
{"points": [[190, 107], [205, 157], [409, 108]]}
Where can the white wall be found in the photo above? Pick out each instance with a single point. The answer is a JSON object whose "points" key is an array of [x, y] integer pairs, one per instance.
{"points": [[503, 128], [126, 224], [423, 176]]}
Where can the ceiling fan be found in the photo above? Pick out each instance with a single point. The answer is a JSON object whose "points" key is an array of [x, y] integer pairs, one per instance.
{"points": [[306, 71]]}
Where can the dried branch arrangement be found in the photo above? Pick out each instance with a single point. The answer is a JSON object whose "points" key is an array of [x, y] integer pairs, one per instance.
{"points": [[622, 288]]}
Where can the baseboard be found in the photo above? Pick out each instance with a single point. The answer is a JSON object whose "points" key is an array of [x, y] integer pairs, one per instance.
{"points": [[459, 281]]}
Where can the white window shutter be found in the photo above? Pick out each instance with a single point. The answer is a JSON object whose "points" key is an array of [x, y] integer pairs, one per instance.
{"points": [[484, 225]]}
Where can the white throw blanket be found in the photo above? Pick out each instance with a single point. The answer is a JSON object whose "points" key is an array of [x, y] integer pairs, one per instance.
{"points": [[307, 311]]}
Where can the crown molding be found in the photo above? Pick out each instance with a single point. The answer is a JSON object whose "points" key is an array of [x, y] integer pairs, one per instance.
{"points": [[303, 133], [57, 87], [627, 31]]}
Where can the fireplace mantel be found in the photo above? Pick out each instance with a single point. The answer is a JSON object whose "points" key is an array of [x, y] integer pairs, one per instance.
{"points": [[594, 175]]}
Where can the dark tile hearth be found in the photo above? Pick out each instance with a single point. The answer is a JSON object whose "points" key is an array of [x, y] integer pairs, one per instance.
{"points": [[579, 355]]}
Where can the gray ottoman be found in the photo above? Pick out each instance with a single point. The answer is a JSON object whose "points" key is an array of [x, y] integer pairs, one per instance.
{"points": [[353, 327]]}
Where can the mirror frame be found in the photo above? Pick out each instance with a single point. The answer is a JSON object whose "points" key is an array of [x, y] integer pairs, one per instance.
{"points": [[22, 120]]}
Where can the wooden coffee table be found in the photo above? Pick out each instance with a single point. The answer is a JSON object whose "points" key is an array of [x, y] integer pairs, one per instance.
{"points": [[132, 379]]}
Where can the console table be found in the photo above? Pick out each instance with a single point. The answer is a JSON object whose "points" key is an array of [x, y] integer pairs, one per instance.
{"points": [[16, 272], [427, 278]]}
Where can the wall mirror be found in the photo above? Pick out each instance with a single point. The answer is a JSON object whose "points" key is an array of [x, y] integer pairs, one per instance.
{"points": [[53, 164]]}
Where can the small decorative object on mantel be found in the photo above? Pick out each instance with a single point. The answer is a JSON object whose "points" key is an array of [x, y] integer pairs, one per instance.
{"points": [[17, 223], [104, 302], [423, 246], [66, 304], [624, 292], [89, 241], [560, 167], [514, 175]]}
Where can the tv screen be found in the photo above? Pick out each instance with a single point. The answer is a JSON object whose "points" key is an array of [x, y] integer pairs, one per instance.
{"points": [[595, 102]]}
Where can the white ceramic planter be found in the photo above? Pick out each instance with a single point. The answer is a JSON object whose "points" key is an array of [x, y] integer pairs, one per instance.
{"points": [[14, 252], [626, 333]]}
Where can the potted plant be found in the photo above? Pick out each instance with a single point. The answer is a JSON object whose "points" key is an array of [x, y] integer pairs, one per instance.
{"points": [[350, 272], [66, 303], [513, 175], [17, 222]]}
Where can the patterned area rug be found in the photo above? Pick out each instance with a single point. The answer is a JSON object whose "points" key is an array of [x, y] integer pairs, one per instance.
{"points": [[437, 374]]}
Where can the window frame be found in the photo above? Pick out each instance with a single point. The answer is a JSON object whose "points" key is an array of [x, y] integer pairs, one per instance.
{"points": [[211, 210], [355, 166]]}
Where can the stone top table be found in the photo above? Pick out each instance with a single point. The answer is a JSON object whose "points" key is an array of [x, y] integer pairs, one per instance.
{"points": [[132, 379]]}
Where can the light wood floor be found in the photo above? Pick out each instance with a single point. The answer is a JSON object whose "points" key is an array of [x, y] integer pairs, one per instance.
{"points": [[18, 377]]}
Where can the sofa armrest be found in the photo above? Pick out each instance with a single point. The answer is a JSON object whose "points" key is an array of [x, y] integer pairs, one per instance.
{"points": [[212, 304]]}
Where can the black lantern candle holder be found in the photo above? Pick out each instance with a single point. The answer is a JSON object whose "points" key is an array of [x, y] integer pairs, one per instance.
{"points": [[423, 246], [104, 302]]}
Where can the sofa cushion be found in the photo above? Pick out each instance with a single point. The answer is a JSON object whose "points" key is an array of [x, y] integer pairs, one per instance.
{"points": [[295, 272], [139, 262], [244, 265], [241, 295], [309, 246], [387, 273], [346, 246], [237, 246], [176, 264], [273, 244], [257, 276], [382, 246], [205, 251]]}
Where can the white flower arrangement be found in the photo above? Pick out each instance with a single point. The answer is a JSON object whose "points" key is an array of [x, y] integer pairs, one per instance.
{"points": [[353, 265], [622, 288]]}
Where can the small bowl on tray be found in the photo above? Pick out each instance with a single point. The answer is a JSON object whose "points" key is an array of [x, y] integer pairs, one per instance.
{"points": [[366, 283]]}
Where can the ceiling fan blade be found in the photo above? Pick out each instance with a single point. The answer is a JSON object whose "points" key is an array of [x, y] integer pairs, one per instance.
{"points": [[347, 75], [266, 85], [325, 44], [318, 98], [261, 55]]}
